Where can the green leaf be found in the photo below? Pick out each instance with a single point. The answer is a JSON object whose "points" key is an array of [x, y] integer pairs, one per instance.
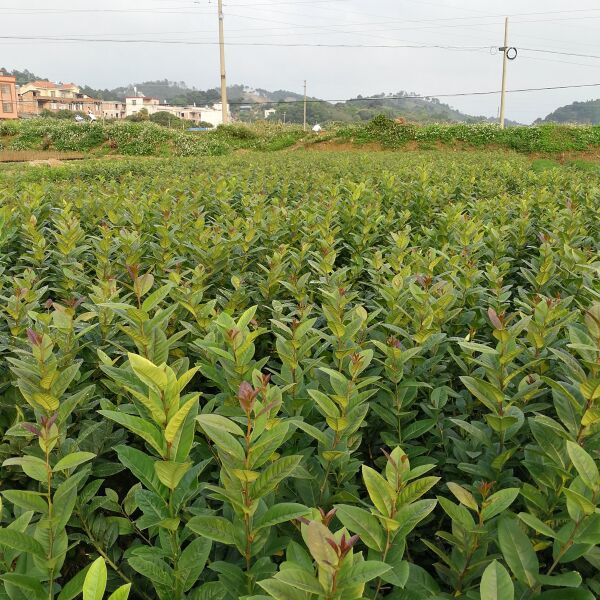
{"points": [[21, 542], [73, 460], [142, 466], [380, 491], [29, 584], [28, 500], [578, 502], [121, 593], [326, 405], [147, 371], [219, 432], [463, 496], [219, 422], [518, 552], [153, 568], [414, 490], [570, 580], [273, 475], [156, 296], [212, 527], [178, 418], [280, 513], [95, 581], [496, 583], [590, 389], [281, 591], [536, 524], [315, 536], [300, 580], [361, 572], [209, 591], [410, 515], [498, 502], [74, 586], [585, 465], [560, 595], [145, 430], [192, 561], [170, 472], [359, 521], [487, 394], [33, 466]]}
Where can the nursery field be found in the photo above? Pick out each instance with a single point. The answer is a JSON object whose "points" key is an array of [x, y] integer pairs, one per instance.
{"points": [[300, 376]]}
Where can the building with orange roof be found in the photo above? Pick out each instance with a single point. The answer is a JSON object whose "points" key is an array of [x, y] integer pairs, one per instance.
{"points": [[8, 97], [36, 96]]}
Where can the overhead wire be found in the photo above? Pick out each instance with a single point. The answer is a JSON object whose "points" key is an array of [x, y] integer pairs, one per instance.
{"points": [[405, 97], [428, 96]]}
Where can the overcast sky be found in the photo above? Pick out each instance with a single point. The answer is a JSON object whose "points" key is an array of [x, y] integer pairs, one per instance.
{"points": [[475, 26]]}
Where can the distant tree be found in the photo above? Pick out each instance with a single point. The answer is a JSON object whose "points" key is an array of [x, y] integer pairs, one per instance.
{"points": [[166, 119], [587, 113], [63, 114], [142, 115], [22, 77]]}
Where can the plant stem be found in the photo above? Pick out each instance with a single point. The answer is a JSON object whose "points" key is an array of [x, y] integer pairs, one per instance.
{"points": [[383, 557]]}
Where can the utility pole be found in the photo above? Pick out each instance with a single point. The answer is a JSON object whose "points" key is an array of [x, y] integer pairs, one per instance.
{"points": [[222, 57], [504, 65], [305, 105], [284, 113]]}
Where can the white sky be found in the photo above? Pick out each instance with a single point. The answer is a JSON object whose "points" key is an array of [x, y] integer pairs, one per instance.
{"points": [[332, 73]]}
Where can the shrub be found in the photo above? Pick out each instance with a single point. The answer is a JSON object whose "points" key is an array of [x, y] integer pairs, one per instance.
{"points": [[298, 375]]}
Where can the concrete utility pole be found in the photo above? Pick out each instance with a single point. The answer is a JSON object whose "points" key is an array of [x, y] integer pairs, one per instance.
{"points": [[284, 113], [504, 65], [305, 105], [223, 76]]}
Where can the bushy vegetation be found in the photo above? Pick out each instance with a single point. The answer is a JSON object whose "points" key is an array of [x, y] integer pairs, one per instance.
{"points": [[313, 377], [149, 139], [579, 112], [541, 138], [142, 138]]}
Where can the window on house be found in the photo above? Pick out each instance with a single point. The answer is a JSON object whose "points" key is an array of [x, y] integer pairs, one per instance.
{"points": [[5, 89], [52, 94], [134, 102]]}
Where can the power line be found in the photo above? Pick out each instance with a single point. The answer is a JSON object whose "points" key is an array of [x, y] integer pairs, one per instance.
{"points": [[210, 43], [425, 97], [284, 45], [384, 98], [561, 53]]}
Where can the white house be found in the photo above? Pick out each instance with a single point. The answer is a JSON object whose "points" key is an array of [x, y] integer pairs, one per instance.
{"points": [[212, 115]]}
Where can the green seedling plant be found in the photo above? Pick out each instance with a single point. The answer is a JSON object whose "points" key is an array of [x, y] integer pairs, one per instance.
{"points": [[317, 375]]}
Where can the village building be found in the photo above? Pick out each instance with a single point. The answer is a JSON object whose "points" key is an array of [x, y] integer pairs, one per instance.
{"points": [[196, 114], [8, 97], [113, 109], [36, 96]]}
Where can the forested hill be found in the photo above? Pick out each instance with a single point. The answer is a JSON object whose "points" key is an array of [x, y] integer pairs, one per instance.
{"points": [[587, 113], [249, 104]]}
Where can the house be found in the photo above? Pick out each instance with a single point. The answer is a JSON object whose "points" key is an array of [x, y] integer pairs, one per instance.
{"points": [[8, 97], [37, 96], [269, 112], [212, 115], [133, 105], [113, 109]]}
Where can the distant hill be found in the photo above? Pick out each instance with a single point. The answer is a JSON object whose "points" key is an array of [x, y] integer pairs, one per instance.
{"points": [[249, 104], [22, 77], [586, 113]]}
